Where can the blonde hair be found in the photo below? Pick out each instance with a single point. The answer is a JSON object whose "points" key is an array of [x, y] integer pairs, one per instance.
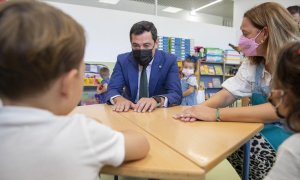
{"points": [[281, 28]]}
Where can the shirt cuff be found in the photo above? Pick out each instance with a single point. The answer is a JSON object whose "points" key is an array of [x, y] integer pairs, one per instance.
{"points": [[112, 99], [166, 101]]}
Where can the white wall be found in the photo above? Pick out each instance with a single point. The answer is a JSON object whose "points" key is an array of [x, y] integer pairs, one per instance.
{"points": [[241, 6], [108, 30], [199, 17], [148, 8]]}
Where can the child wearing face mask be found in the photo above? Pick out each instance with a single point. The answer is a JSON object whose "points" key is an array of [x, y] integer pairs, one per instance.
{"points": [[102, 88], [189, 84], [285, 97]]}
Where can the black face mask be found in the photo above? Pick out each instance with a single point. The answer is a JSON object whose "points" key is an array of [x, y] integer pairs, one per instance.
{"points": [[143, 56]]}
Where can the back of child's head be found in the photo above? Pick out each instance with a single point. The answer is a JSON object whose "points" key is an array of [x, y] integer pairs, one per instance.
{"points": [[104, 72], [287, 78], [38, 44]]}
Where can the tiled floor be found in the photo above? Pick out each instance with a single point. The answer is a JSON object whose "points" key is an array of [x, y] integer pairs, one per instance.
{"points": [[224, 171]]}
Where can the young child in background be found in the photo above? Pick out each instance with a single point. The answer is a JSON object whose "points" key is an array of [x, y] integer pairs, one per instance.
{"points": [[189, 84], [180, 72], [285, 97], [102, 88], [41, 79]]}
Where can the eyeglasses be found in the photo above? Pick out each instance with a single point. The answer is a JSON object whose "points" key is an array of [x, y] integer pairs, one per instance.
{"points": [[276, 93]]}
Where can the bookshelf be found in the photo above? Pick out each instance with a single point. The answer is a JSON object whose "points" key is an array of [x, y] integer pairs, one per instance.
{"points": [[180, 47], [214, 68], [205, 62], [217, 66], [211, 77], [213, 74], [230, 70]]}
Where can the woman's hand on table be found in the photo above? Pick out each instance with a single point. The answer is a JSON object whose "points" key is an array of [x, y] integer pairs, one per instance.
{"points": [[199, 112]]}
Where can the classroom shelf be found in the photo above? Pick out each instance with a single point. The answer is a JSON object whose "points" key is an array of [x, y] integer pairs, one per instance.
{"points": [[206, 79], [90, 85], [213, 88], [211, 75], [230, 64], [207, 62]]}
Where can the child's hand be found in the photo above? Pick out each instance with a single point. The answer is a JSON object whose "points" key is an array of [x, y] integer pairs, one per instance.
{"points": [[100, 89]]}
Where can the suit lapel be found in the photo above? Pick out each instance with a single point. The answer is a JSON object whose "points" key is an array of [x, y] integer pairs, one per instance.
{"points": [[133, 73], [155, 72]]}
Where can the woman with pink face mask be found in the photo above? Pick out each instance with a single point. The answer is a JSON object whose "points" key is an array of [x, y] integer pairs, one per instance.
{"points": [[189, 84], [265, 29]]}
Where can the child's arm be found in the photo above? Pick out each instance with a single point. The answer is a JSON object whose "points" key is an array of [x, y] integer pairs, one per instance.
{"points": [[189, 91], [104, 88], [136, 145]]}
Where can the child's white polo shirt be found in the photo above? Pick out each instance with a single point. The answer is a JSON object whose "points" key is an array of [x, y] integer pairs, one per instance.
{"points": [[36, 144]]}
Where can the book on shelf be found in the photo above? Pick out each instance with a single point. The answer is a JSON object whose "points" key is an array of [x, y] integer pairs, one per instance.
{"points": [[179, 63], [202, 85], [218, 70], [214, 58], [232, 52], [213, 51], [216, 82], [231, 70], [204, 69], [232, 57], [233, 62], [211, 70]]}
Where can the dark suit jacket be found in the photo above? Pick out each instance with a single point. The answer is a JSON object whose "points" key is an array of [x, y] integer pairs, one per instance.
{"points": [[164, 78]]}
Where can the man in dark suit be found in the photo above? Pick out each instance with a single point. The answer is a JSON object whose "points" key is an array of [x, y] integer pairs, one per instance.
{"points": [[145, 78]]}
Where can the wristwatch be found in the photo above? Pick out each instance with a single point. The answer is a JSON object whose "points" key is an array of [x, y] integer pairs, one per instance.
{"points": [[158, 100]]}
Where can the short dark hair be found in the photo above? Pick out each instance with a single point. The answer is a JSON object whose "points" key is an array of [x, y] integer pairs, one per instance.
{"points": [[38, 43], [142, 26], [294, 9], [104, 71]]}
